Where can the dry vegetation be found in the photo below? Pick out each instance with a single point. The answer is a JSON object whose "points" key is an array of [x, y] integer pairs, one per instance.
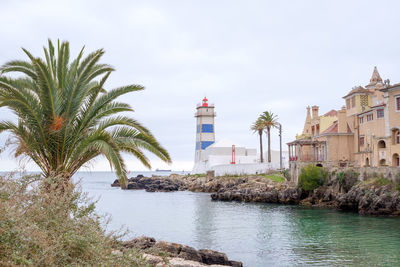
{"points": [[44, 225]]}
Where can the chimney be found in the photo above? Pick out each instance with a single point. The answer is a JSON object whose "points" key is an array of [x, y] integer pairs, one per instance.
{"points": [[308, 112], [342, 120], [315, 112]]}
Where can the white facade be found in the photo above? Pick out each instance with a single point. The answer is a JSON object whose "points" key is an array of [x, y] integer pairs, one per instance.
{"points": [[225, 152], [275, 164]]}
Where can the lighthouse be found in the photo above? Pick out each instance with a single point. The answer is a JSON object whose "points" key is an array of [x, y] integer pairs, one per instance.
{"points": [[205, 131]]}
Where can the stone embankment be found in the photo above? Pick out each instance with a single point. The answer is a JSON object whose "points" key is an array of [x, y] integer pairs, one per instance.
{"points": [[366, 198], [161, 253]]}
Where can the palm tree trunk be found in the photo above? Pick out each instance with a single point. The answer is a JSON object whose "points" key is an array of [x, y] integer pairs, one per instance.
{"points": [[269, 144], [261, 148]]}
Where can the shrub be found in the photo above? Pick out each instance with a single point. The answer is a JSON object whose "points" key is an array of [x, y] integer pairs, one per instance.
{"points": [[311, 177], [286, 174], [56, 227]]}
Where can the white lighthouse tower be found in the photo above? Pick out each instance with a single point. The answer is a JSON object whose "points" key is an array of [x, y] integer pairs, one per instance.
{"points": [[205, 133]]}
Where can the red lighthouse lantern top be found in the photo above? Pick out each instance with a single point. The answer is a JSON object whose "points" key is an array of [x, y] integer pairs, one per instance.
{"points": [[205, 100]]}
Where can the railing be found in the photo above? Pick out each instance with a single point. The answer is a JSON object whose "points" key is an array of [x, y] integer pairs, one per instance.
{"points": [[196, 114], [307, 158], [209, 105]]}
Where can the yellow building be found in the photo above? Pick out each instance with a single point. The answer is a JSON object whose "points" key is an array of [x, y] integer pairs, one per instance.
{"points": [[364, 133]]}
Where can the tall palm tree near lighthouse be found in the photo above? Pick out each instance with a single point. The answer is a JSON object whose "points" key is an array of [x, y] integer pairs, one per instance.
{"points": [[258, 126], [269, 120]]}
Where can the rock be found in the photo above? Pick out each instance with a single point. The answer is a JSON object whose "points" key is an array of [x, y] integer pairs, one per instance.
{"points": [[189, 253], [134, 186], [179, 262], [177, 254], [171, 248], [154, 260], [116, 183], [213, 257], [140, 243], [370, 200], [236, 263]]}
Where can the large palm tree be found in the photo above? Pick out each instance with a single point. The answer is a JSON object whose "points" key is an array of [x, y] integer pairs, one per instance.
{"points": [[258, 126], [65, 116], [270, 121]]}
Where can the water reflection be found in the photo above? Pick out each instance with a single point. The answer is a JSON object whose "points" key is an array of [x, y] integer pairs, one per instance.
{"points": [[204, 215]]}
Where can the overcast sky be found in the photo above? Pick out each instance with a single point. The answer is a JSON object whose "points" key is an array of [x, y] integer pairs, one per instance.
{"points": [[245, 56]]}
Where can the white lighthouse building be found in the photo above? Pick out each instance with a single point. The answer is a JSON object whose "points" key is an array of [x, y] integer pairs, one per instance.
{"points": [[205, 135]]}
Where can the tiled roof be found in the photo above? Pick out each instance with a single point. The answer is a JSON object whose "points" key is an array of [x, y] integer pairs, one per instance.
{"points": [[334, 129], [358, 89]]}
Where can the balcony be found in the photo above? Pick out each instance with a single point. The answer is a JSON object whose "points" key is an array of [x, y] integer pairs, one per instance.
{"points": [[209, 114], [306, 150]]}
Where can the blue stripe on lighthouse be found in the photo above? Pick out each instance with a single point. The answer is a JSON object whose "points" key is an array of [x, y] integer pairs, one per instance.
{"points": [[207, 128], [205, 144]]}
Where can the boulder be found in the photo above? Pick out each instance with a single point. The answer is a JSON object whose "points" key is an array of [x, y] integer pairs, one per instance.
{"points": [[154, 260], [116, 183], [140, 243], [171, 248], [189, 253], [213, 257]]}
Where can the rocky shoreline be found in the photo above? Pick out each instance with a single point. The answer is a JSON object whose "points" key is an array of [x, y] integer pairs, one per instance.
{"points": [[162, 253], [367, 198]]}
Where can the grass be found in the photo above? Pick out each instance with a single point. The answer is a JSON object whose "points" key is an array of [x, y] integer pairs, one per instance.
{"points": [[378, 181], [275, 178], [197, 175]]}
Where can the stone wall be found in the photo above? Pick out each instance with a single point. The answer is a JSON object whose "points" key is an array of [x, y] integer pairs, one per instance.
{"points": [[390, 173], [242, 169]]}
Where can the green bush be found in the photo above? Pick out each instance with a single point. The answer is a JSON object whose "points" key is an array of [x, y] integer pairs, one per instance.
{"points": [[46, 225], [311, 177], [286, 174]]}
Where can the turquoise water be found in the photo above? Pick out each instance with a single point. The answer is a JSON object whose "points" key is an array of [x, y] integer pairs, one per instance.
{"points": [[256, 234]]}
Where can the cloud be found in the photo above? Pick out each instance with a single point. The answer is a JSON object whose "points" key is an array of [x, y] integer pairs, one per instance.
{"points": [[246, 57]]}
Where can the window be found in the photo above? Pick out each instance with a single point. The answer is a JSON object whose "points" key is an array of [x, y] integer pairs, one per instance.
{"points": [[370, 117], [395, 137], [380, 113], [361, 141], [398, 103], [361, 119]]}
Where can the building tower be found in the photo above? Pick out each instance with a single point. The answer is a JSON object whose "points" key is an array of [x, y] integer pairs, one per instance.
{"points": [[205, 135]]}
